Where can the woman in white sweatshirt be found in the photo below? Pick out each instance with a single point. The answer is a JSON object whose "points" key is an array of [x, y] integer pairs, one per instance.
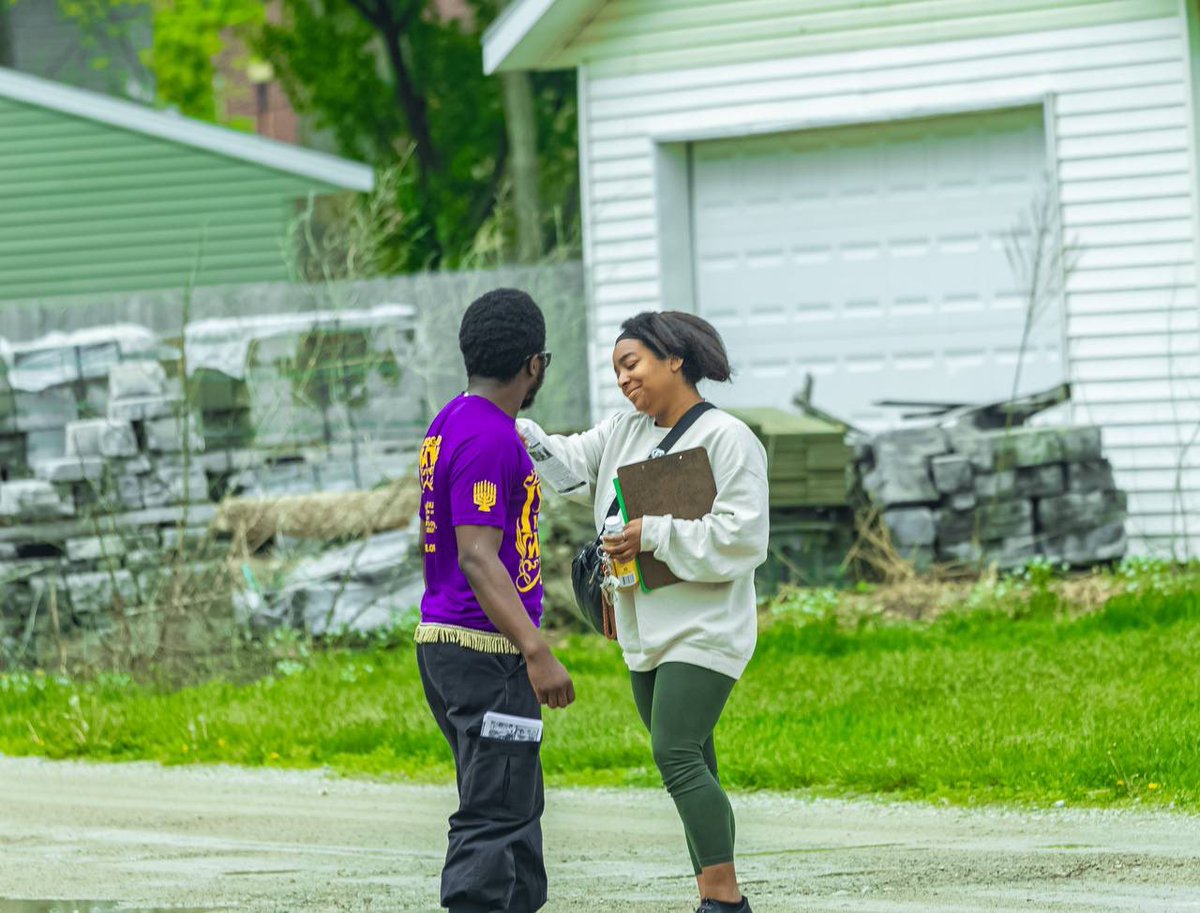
{"points": [[685, 644]]}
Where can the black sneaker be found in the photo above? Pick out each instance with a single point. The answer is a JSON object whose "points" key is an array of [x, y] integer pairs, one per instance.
{"points": [[708, 905]]}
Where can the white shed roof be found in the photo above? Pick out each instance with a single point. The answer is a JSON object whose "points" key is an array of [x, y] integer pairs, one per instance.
{"points": [[530, 30], [269, 153]]}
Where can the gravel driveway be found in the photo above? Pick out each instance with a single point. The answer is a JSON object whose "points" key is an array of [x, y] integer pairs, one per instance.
{"points": [[254, 841]]}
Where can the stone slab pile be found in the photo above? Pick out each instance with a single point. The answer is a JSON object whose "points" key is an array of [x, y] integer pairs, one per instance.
{"points": [[92, 523], [306, 378], [363, 586], [958, 494], [47, 384], [107, 474]]}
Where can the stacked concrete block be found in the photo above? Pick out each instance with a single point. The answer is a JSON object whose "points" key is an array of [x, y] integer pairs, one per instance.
{"points": [[100, 591], [33, 499], [72, 469], [329, 385], [359, 587], [39, 446], [53, 407], [337, 468], [170, 483], [963, 495], [173, 434], [144, 408], [46, 385], [101, 437], [96, 548], [79, 428], [137, 379], [110, 473]]}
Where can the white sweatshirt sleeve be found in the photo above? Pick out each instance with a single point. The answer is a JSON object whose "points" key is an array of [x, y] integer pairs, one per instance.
{"points": [[722, 545], [582, 452]]}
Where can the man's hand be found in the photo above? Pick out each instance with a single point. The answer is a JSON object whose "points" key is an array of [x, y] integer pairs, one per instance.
{"points": [[627, 544], [550, 680], [478, 548]]}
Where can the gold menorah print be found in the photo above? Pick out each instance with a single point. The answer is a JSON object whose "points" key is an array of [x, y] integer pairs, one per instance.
{"points": [[485, 496]]}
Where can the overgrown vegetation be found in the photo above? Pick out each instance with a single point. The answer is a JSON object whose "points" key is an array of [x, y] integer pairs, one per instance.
{"points": [[1017, 693]]}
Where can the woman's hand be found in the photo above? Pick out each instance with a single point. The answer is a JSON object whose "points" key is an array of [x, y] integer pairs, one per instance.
{"points": [[626, 545]]}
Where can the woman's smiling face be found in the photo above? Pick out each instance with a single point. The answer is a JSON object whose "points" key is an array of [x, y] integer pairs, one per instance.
{"points": [[649, 382]]}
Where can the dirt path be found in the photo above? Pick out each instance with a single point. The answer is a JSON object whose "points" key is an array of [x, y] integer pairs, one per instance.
{"points": [[258, 841]]}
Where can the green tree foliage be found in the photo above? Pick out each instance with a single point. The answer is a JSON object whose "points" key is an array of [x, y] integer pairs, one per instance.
{"points": [[185, 39], [6, 43], [109, 34], [189, 35], [393, 81]]}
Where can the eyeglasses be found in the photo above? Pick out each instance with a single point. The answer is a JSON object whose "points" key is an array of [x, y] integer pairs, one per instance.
{"points": [[544, 356]]}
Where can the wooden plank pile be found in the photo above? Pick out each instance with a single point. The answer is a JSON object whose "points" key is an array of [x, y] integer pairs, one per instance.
{"points": [[811, 525], [806, 457]]}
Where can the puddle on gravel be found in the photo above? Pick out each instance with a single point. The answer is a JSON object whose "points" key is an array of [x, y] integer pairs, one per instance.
{"points": [[8, 905]]}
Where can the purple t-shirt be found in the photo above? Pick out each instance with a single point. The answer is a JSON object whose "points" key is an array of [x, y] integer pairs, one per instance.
{"points": [[475, 472]]}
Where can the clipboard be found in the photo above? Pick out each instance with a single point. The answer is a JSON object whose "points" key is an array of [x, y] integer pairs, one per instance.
{"points": [[680, 484]]}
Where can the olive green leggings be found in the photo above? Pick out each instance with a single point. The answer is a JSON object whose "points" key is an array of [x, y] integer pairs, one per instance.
{"points": [[680, 705]]}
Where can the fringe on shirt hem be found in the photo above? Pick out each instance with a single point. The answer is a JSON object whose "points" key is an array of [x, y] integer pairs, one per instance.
{"points": [[479, 641]]}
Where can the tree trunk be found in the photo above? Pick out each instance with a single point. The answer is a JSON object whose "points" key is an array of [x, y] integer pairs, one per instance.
{"points": [[520, 121], [392, 23], [412, 103]]}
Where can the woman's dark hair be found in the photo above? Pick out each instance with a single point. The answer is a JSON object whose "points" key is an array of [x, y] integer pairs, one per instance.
{"points": [[683, 335], [499, 332]]}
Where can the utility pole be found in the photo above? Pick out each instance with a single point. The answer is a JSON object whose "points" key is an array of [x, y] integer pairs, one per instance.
{"points": [[520, 122]]}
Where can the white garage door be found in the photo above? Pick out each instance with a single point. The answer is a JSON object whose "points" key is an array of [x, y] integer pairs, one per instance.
{"points": [[875, 259]]}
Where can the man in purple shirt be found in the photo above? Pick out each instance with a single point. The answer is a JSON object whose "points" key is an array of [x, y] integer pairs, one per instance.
{"points": [[484, 665]]}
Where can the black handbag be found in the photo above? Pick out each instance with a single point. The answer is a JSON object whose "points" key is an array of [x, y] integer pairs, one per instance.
{"points": [[587, 568]]}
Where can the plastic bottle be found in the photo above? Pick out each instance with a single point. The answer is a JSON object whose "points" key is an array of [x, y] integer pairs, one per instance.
{"points": [[624, 571]]}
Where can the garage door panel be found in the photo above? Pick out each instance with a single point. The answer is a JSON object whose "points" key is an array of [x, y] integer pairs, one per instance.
{"points": [[900, 297], [872, 258]]}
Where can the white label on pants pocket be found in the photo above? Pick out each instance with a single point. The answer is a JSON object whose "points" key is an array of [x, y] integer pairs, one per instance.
{"points": [[505, 728]]}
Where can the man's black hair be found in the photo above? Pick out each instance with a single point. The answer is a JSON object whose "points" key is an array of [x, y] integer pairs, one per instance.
{"points": [[500, 331]]}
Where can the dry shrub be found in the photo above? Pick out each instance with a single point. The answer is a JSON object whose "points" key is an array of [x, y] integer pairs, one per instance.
{"points": [[873, 555]]}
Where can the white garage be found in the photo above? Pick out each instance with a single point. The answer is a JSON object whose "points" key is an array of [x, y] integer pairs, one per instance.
{"points": [[832, 183], [874, 259]]}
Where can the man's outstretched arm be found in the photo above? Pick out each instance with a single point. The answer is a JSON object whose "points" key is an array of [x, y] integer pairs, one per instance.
{"points": [[479, 559]]}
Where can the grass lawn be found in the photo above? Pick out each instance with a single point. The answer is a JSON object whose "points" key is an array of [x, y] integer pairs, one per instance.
{"points": [[1018, 699]]}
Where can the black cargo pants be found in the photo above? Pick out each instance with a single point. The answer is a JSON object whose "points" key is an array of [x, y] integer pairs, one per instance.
{"points": [[494, 860]]}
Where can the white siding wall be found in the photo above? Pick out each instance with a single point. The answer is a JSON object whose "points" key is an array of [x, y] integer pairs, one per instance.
{"points": [[1123, 142], [637, 36]]}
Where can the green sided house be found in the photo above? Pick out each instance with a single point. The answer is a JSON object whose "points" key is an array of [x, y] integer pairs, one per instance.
{"points": [[99, 195]]}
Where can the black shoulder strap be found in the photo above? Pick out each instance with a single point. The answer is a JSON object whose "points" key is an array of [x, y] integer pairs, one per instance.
{"points": [[685, 422]]}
